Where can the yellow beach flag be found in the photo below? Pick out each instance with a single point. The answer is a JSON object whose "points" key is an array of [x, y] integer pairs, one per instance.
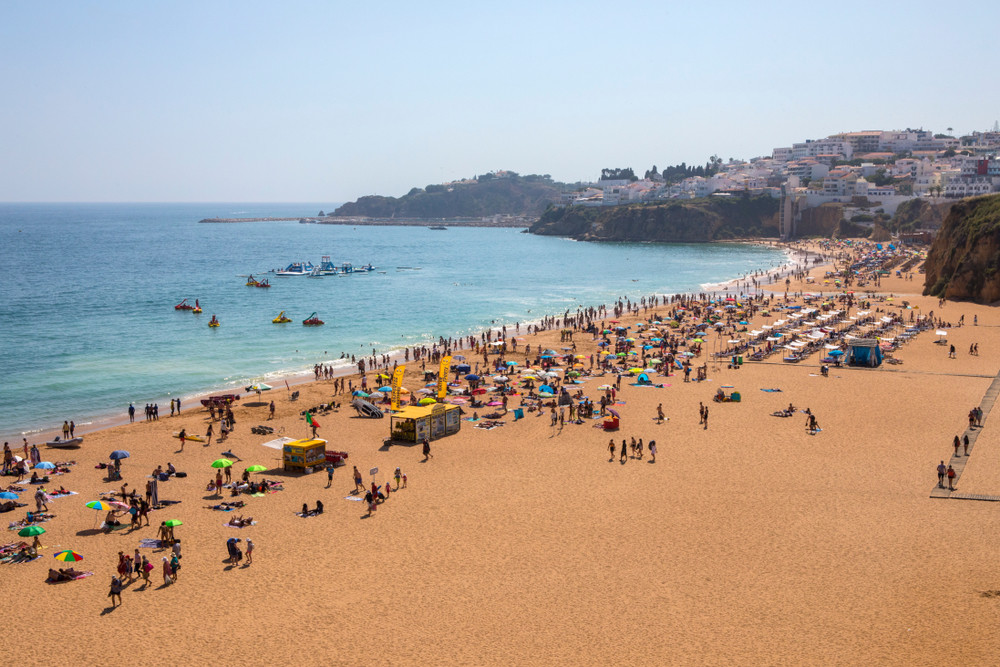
{"points": [[397, 384], [443, 377]]}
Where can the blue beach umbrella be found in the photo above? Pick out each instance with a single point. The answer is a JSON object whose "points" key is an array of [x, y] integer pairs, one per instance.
{"points": [[472, 377], [45, 465], [546, 387], [8, 495], [463, 368], [118, 454], [512, 363], [385, 390]]}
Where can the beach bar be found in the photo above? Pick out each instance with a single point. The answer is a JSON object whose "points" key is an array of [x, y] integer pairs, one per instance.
{"points": [[304, 455], [414, 423]]}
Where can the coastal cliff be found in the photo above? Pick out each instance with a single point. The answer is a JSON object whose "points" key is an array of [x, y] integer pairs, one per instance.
{"points": [[687, 221], [964, 259], [919, 214], [486, 195]]}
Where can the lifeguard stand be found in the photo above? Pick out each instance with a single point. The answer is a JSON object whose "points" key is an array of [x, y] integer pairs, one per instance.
{"points": [[304, 455]]}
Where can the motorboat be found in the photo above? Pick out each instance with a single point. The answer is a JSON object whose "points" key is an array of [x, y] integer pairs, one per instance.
{"points": [[312, 320], [71, 443], [281, 319], [365, 268], [220, 399], [184, 305], [296, 269]]}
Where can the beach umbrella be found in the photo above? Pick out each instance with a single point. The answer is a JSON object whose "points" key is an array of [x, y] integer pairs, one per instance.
{"points": [[260, 386], [501, 378], [635, 371], [362, 394], [836, 353], [472, 377], [425, 391], [426, 401], [385, 390], [546, 387], [118, 454], [8, 495], [99, 505], [404, 390], [549, 352], [115, 503], [221, 463], [512, 363], [45, 465], [31, 531], [457, 357], [463, 368], [545, 394], [170, 523], [493, 404], [604, 387], [256, 468], [68, 556]]}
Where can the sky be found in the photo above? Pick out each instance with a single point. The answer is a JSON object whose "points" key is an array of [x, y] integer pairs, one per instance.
{"points": [[304, 101]]}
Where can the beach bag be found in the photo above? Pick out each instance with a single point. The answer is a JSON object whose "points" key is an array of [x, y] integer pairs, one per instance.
{"points": [[239, 555], [180, 474]]}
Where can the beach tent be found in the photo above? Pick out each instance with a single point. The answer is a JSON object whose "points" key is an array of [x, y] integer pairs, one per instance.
{"points": [[864, 352]]}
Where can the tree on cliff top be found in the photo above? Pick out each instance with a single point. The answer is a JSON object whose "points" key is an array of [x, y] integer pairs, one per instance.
{"points": [[618, 174]]}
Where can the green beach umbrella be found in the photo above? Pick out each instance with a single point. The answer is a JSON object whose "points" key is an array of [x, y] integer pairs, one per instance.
{"points": [[256, 468], [31, 531], [68, 556], [222, 463], [170, 523], [99, 505], [427, 401]]}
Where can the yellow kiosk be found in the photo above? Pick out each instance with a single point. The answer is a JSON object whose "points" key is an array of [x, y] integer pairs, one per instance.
{"points": [[413, 424], [306, 455]]}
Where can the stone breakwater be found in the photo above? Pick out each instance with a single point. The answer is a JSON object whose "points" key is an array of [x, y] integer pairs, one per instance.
{"points": [[249, 219]]}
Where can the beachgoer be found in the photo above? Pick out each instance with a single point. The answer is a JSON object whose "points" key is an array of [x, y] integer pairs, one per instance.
{"points": [[659, 413], [623, 456], [183, 433], [147, 567], [357, 478], [611, 448], [131, 413], [965, 443], [652, 451], [218, 482], [271, 411], [956, 443], [168, 572], [249, 551], [427, 449], [951, 478], [208, 434], [116, 590], [398, 476]]}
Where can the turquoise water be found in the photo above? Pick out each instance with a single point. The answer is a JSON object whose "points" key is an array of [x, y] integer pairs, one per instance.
{"points": [[87, 322]]}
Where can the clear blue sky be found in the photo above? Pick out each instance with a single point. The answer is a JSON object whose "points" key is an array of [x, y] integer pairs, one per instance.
{"points": [[328, 101]]}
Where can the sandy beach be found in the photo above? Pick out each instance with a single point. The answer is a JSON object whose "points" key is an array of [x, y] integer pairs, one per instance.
{"points": [[749, 542]]}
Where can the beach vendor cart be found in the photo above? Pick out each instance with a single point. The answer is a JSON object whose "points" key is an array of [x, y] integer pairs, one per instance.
{"points": [[414, 423], [304, 456]]}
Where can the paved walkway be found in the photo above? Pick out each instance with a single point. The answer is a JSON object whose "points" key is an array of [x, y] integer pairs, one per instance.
{"points": [[958, 462]]}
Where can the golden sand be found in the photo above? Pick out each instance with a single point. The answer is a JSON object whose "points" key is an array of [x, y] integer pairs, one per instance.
{"points": [[750, 543]]}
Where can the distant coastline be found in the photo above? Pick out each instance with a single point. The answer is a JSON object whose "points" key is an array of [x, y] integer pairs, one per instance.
{"points": [[497, 221]]}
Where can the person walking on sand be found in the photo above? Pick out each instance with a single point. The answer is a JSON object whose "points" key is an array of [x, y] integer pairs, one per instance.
{"points": [[611, 448], [398, 475], [116, 591], [705, 419], [956, 443], [270, 414], [427, 450], [131, 413], [652, 451], [965, 443], [659, 413], [357, 479], [218, 482], [249, 553], [208, 434], [951, 478], [329, 475], [623, 456], [183, 436]]}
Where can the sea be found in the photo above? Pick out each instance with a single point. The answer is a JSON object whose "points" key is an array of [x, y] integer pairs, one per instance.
{"points": [[88, 325]]}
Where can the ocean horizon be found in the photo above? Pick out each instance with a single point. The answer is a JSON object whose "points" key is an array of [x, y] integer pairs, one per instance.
{"points": [[89, 325]]}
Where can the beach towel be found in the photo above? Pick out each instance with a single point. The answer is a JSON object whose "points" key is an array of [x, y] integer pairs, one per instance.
{"points": [[150, 543], [355, 499], [771, 390], [53, 496], [229, 525]]}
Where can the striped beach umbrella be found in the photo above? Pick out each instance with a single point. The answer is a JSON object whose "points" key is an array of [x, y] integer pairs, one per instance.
{"points": [[68, 556], [99, 505]]}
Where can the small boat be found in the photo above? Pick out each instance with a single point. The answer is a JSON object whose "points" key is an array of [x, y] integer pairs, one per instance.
{"points": [[296, 269], [312, 320], [263, 283], [221, 399], [326, 267], [438, 228], [190, 437], [281, 319], [315, 273], [251, 281], [213, 322], [72, 443], [197, 307], [184, 305]]}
